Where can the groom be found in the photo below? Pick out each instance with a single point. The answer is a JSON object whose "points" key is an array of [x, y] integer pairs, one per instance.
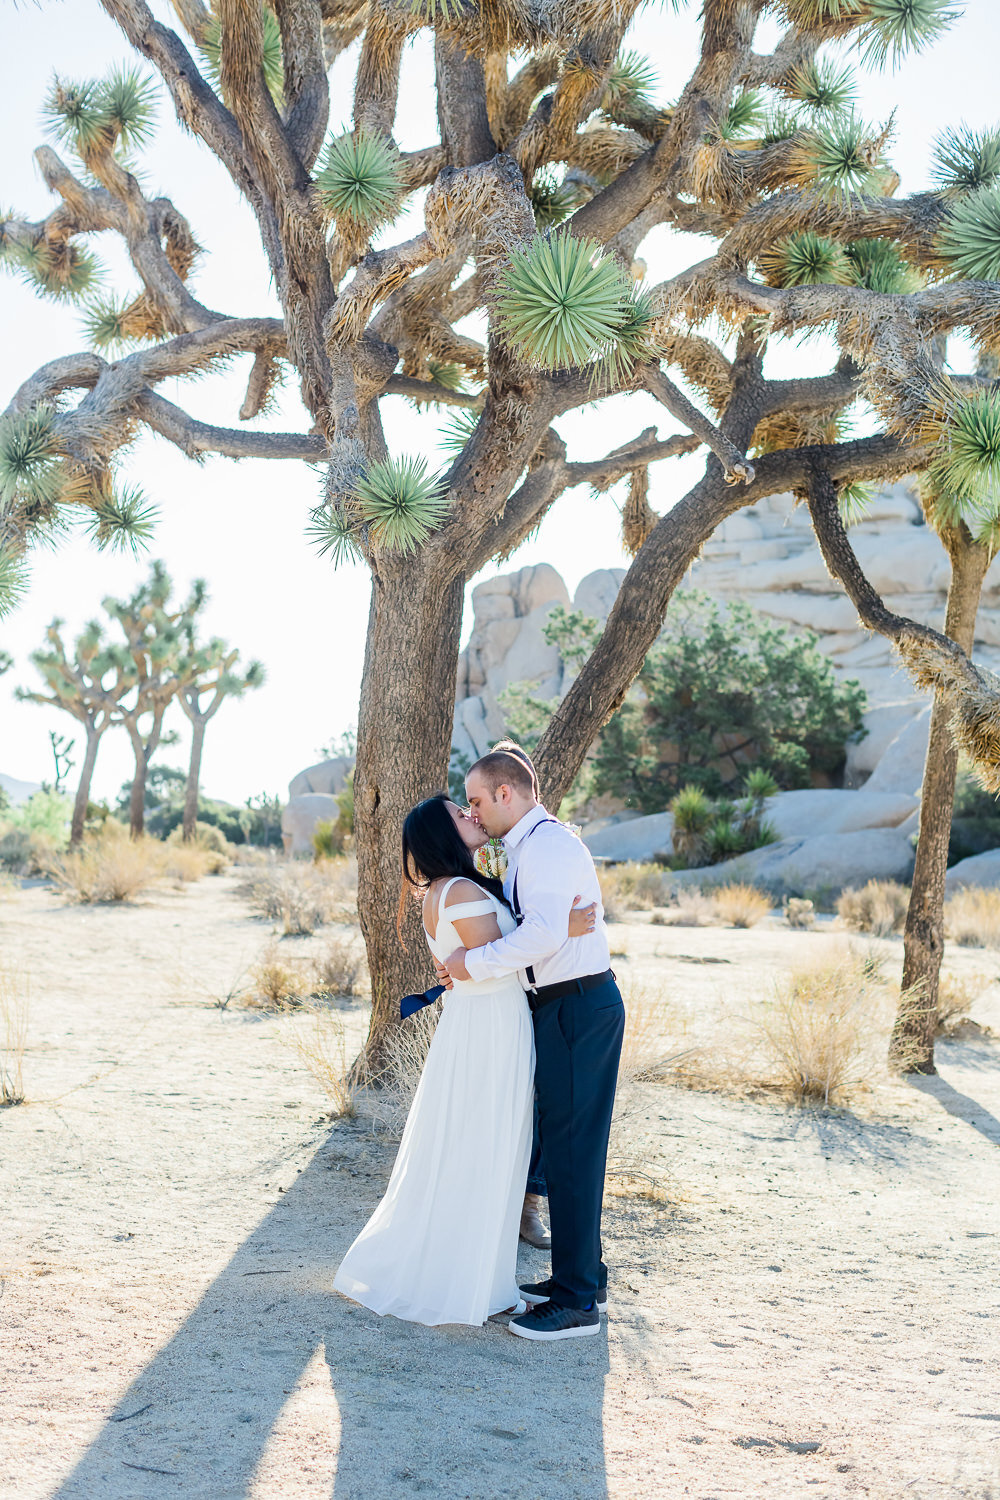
{"points": [[579, 1019]]}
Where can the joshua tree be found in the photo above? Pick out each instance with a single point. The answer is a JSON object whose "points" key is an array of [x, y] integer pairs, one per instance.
{"points": [[62, 756], [548, 174], [91, 684], [214, 678], [158, 641], [971, 548]]}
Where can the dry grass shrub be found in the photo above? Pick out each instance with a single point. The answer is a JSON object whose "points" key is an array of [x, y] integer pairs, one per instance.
{"points": [[632, 887], [323, 1050], [14, 1000], [878, 907], [341, 968], [739, 904], [108, 866], [956, 997], [187, 863], [25, 851], [799, 912], [404, 1057], [825, 1031], [972, 917], [303, 896], [690, 908], [278, 982]]}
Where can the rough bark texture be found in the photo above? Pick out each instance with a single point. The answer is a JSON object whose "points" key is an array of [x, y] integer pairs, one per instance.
{"points": [[83, 789], [404, 743], [912, 1045], [193, 778]]}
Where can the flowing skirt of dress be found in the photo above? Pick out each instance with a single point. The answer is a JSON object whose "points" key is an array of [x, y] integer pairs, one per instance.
{"points": [[442, 1245]]}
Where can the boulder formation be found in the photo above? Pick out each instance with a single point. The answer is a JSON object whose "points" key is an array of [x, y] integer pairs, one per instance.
{"points": [[766, 556]]}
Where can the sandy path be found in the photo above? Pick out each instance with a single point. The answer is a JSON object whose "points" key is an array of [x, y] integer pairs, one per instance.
{"points": [[171, 1229]]}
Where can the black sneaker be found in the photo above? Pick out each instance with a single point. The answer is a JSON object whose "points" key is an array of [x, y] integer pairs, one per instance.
{"points": [[541, 1291], [550, 1321]]}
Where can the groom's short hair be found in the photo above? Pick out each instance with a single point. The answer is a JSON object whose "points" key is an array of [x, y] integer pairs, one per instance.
{"points": [[500, 768]]}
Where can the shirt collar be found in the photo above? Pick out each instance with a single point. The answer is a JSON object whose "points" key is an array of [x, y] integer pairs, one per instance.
{"points": [[523, 826]]}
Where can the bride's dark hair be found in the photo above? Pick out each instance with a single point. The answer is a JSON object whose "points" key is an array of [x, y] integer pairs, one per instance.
{"points": [[433, 849]]}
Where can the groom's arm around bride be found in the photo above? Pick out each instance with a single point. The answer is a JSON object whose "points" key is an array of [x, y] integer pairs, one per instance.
{"points": [[578, 1020]]}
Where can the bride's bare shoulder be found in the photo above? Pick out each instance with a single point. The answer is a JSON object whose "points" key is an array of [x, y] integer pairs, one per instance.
{"points": [[462, 891]]}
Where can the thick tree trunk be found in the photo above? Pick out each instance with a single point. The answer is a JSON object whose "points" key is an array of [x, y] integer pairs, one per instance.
{"points": [[404, 742], [193, 780], [83, 790], [911, 1048]]}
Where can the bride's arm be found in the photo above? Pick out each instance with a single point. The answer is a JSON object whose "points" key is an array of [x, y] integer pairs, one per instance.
{"points": [[478, 927]]}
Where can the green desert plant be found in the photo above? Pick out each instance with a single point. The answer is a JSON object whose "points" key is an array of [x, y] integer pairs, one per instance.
{"points": [[693, 818], [359, 180], [560, 302]]}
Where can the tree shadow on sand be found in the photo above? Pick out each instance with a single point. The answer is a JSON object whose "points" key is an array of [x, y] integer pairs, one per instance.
{"points": [[453, 1412]]}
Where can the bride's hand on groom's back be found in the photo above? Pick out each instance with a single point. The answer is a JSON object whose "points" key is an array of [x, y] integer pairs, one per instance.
{"points": [[582, 919]]}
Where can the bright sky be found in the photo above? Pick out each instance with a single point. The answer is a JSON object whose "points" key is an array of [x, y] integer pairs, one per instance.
{"points": [[241, 525]]}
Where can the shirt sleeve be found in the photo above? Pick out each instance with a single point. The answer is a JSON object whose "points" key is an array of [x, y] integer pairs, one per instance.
{"points": [[545, 887]]}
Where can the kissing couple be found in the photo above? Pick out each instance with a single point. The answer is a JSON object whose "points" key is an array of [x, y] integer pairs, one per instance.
{"points": [[531, 1012]]}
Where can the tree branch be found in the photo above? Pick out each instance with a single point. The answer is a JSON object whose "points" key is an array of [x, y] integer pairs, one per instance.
{"points": [[194, 437], [737, 467]]}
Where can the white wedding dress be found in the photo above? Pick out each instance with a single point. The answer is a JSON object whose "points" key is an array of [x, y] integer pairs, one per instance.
{"points": [[442, 1245]]}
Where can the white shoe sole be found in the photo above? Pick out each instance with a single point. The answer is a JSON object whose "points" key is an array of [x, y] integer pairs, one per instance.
{"points": [[563, 1333], [602, 1307]]}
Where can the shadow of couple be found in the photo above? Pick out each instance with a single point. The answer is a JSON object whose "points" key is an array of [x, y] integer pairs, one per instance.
{"points": [[273, 1384]]}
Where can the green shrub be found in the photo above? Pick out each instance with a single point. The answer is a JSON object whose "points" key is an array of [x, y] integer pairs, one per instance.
{"points": [[46, 813], [975, 823]]}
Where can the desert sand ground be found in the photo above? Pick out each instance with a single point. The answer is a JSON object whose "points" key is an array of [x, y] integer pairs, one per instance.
{"points": [[810, 1312]]}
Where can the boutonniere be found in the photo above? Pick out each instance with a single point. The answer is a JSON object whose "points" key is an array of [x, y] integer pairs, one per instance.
{"points": [[491, 859]]}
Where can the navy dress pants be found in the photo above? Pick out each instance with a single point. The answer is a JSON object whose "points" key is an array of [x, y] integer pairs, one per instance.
{"points": [[578, 1041], [536, 1168]]}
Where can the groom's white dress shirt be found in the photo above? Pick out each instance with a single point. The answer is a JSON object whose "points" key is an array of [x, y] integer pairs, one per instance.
{"points": [[551, 867]]}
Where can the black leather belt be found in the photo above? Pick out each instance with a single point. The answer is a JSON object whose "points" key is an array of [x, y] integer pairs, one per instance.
{"points": [[543, 993]]}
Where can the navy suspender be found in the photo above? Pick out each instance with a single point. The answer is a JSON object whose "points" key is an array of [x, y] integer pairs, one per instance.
{"points": [[518, 914]]}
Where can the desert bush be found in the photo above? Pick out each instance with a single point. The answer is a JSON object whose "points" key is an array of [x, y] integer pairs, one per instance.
{"points": [[649, 1044], [799, 912], [211, 841], [188, 861], [404, 1057], [972, 917], [108, 866], [323, 1050], [823, 1031], [302, 897], [23, 852], [277, 982], [956, 998], [693, 818], [14, 998], [339, 968], [632, 887], [690, 907], [878, 907], [740, 905]]}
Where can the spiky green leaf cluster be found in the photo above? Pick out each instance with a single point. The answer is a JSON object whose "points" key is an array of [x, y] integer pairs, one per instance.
{"points": [[822, 85], [552, 199], [879, 266], [965, 160], [359, 180], [122, 522], [805, 259], [31, 472], [634, 341], [400, 503], [968, 463], [854, 502], [60, 270], [457, 430], [13, 580], [895, 27], [210, 48], [560, 302], [780, 125], [839, 154], [632, 80], [744, 116], [119, 110], [103, 324], [335, 533], [969, 243]]}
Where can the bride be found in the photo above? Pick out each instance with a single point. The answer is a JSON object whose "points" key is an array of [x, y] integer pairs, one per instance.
{"points": [[442, 1245]]}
